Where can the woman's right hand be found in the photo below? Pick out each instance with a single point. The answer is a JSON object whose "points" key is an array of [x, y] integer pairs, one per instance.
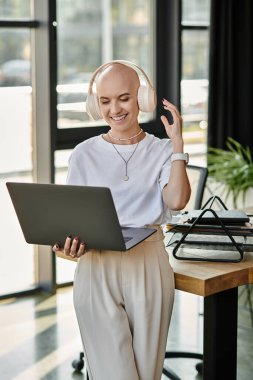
{"points": [[72, 248]]}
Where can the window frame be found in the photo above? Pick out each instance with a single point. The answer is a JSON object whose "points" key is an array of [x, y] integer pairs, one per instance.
{"points": [[167, 62], [166, 81], [42, 38]]}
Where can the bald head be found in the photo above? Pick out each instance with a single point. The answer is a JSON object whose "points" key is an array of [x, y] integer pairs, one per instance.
{"points": [[120, 75]]}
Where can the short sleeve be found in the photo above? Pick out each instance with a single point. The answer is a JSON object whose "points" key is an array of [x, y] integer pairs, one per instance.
{"points": [[166, 167], [75, 175]]}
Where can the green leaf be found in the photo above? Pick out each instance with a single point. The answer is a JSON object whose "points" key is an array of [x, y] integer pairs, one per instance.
{"points": [[233, 167]]}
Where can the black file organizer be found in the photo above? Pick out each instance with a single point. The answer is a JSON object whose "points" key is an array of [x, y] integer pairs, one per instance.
{"points": [[239, 247]]}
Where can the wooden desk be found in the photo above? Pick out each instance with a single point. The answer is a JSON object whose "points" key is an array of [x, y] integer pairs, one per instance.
{"points": [[218, 284]]}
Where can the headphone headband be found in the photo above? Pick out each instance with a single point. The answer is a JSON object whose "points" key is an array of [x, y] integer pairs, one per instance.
{"points": [[146, 94], [121, 61]]}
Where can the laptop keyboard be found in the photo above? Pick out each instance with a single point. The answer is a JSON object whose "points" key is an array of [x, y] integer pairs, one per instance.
{"points": [[127, 238]]}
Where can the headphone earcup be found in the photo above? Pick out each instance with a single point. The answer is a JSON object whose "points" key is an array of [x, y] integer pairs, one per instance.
{"points": [[146, 98], [92, 107]]}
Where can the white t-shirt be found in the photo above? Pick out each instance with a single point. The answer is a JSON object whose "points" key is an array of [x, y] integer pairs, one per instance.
{"points": [[138, 201]]}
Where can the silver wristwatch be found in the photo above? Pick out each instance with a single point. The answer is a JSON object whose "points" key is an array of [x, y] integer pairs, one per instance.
{"points": [[180, 157]]}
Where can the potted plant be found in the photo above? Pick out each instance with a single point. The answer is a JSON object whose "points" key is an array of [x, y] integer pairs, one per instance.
{"points": [[232, 167]]}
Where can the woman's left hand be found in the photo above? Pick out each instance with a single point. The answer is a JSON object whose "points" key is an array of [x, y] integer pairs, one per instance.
{"points": [[174, 130]]}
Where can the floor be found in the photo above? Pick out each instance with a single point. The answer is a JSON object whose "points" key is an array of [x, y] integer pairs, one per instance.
{"points": [[39, 337]]}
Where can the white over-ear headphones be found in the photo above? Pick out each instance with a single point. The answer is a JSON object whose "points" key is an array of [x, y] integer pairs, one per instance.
{"points": [[146, 93]]}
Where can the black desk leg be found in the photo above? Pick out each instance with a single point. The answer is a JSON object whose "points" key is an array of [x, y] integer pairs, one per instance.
{"points": [[220, 335]]}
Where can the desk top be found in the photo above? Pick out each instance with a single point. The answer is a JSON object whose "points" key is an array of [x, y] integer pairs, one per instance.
{"points": [[207, 278]]}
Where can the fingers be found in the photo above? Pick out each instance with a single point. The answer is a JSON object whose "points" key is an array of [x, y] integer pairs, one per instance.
{"points": [[56, 247], [165, 121], [71, 247], [81, 251], [173, 130], [170, 107], [67, 246]]}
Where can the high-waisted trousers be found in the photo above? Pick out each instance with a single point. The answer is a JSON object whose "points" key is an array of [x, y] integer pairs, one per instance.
{"points": [[123, 302]]}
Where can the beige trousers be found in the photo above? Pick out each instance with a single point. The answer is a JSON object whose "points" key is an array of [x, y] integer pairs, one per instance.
{"points": [[123, 303]]}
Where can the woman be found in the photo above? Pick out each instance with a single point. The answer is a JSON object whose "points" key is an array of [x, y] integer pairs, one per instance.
{"points": [[124, 300]]}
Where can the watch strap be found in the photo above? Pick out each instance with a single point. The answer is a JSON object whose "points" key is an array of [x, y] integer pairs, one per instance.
{"points": [[180, 157]]}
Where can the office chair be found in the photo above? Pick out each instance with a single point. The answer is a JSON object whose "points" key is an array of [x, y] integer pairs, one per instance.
{"points": [[197, 177]]}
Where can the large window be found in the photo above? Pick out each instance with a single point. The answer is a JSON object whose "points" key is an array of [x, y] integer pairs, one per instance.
{"points": [[45, 67], [194, 82], [88, 34], [17, 259]]}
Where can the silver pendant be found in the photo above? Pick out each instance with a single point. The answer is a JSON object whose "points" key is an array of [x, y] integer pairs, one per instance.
{"points": [[126, 178]]}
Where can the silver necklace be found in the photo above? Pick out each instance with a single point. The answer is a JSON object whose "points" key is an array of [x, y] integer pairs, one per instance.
{"points": [[129, 138], [126, 177]]}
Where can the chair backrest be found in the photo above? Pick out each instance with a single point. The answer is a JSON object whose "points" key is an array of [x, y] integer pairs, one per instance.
{"points": [[197, 177]]}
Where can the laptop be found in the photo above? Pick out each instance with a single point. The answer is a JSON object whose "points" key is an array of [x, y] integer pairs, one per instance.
{"points": [[48, 213]]}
